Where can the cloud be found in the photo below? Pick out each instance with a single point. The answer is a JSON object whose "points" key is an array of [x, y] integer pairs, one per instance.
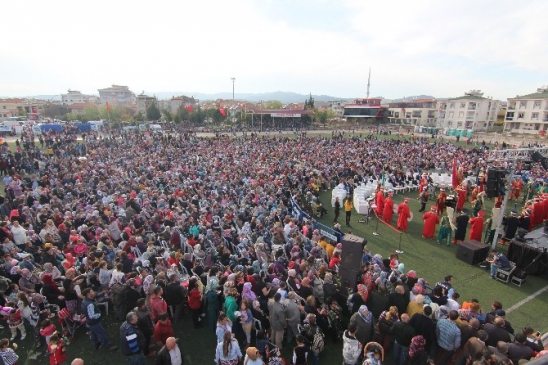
{"points": [[323, 47]]}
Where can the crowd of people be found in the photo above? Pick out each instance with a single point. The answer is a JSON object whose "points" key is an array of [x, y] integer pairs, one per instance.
{"points": [[156, 226]]}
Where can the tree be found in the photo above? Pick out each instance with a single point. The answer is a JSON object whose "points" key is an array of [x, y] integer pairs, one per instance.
{"points": [[90, 113], [153, 113], [167, 115], [273, 104], [55, 110], [309, 104], [140, 117], [177, 119]]}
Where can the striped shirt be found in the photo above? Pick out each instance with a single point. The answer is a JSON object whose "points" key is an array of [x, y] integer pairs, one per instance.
{"points": [[448, 334], [8, 356]]}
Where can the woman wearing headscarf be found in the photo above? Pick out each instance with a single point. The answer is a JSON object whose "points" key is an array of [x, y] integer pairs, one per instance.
{"points": [[247, 293], [52, 292], [28, 282], [359, 298], [365, 324], [213, 304]]}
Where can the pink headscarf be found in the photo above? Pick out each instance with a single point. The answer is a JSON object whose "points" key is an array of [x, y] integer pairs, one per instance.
{"points": [[247, 292]]}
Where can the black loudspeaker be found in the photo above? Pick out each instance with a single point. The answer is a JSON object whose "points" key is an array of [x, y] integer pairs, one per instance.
{"points": [[352, 252], [349, 278], [472, 252], [491, 174]]}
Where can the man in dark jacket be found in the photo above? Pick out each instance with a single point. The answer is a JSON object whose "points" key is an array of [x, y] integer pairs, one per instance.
{"points": [[170, 354], [93, 320], [132, 340], [174, 296], [403, 332], [424, 325]]}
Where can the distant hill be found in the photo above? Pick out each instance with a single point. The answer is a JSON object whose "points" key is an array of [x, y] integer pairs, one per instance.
{"points": [[415, 97], [284, 97]]}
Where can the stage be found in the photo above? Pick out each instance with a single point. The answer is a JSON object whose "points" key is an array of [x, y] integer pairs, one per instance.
{"points": [[531, 253]]}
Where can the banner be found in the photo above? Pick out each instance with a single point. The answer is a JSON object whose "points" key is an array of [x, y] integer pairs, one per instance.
{"points": [[301, 215], [285, 115]]}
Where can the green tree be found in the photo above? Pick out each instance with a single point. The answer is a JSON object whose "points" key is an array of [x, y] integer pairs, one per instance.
{"points": [[177, 119], [167, 115], [71, 116], [90, 113], [153, 113], [309, 104], [273, 104], [55, 110], [140, 117]]}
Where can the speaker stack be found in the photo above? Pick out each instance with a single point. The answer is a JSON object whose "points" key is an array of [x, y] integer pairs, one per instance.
{"points": [[472, 252], [351, 259]]}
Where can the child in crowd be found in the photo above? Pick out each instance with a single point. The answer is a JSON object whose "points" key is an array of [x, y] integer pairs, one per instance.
{"points": [[15, 322], [47, 329], [246, 320], [56, 350], [6, 354]]}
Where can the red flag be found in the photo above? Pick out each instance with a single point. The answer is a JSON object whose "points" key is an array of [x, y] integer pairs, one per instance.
{"points": [[108, 107], [189, 108], [454, 178], [222, 111]]}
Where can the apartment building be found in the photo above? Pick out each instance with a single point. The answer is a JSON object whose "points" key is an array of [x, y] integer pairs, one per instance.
{"points": [[419, 112], [117, 95], [472, 111], [528, 114], [76, 97]]}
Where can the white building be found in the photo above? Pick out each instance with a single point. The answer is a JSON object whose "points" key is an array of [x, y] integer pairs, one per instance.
{"points": [[117, 95], [528, 113], [144, 102], [419, 112], [337, 106], [471, 111], [75, 96]]}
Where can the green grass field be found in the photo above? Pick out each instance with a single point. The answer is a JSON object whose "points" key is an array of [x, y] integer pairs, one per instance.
{"points": [[430, 260]]}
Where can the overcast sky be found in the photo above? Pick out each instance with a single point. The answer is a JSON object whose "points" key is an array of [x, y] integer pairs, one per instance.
{"points": [[325, 47]]}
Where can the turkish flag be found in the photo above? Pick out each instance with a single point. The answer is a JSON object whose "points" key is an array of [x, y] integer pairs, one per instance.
{"points": [[455, 179], [189, 108], [222, 111]]}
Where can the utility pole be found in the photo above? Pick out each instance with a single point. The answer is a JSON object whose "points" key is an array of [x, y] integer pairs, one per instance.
{"points": [[233, 79], [368, 83]]}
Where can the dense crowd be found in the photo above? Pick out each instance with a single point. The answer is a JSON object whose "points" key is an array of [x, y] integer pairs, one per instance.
{"points": [[154, 226]]}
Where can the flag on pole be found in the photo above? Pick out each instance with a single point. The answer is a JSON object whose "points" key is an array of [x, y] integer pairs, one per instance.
{"points": [[189, 108], [108, 107], [222, 111], [454, 178]]}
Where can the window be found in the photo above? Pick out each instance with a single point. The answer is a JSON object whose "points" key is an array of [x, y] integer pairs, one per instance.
{"points": [[451, 114], [461, 114], [408, 115], [452, 105], [521, 115], [397, 114], [534, 116], [462, 105], [536, 105], [523, 104]]}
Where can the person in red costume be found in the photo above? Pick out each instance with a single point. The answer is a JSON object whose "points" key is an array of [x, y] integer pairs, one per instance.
{"points": [[404, 213], [388, 209], [379, 201], [461, 193], [430, 219], [423, 182], [517, 185], [476, 226], [440, 201]]}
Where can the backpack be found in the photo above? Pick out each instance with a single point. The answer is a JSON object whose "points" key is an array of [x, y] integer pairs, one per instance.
{"points": [[117, 293], [318, 342]]}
